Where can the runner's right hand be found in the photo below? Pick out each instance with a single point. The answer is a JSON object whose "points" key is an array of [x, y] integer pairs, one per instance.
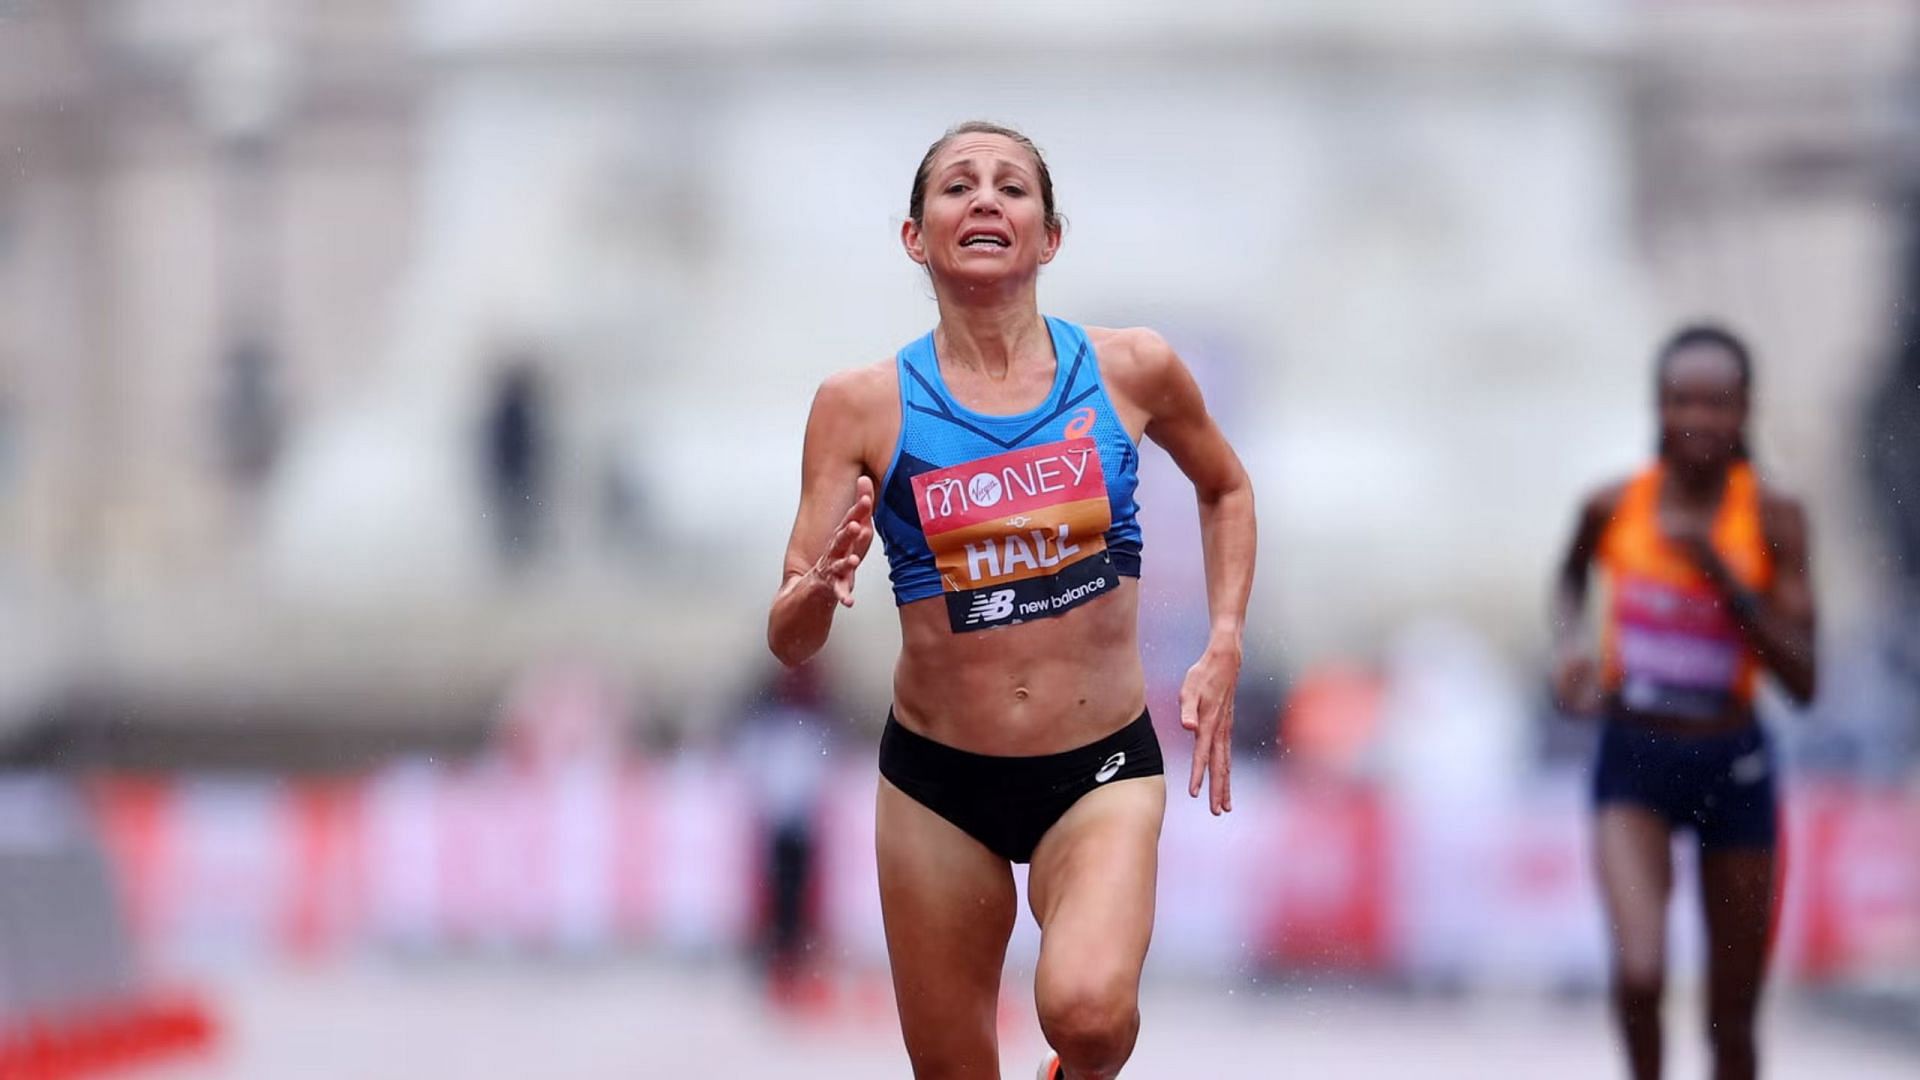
{"points": [[848, 545], [1576, 683]]}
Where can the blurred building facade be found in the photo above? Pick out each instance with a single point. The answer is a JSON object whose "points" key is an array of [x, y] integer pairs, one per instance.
{"points": [[265, 269]]}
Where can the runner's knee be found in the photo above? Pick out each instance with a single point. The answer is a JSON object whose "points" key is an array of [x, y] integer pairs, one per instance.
{"points": [[1730, 1020], [1091, 1018], [1637, 989], [1639, 971]]}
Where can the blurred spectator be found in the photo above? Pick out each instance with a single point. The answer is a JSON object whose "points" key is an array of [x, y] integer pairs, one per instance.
{"points": [[623, 509], [1893, 435], [1892, 448], [515, 454], [1258, 703], [8, 451], [249, 412], [1892, 452], [785, 747], [64, 945]]}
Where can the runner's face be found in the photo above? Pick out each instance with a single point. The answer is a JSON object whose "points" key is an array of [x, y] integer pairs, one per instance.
{"points": [[984, 220], [1703, 406]]}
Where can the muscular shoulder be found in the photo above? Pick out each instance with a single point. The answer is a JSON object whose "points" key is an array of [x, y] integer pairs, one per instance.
{"points": [[1782, 516], [856, 414], [858, 391], [1143, 371], [1132, 355], [1603, 502]]}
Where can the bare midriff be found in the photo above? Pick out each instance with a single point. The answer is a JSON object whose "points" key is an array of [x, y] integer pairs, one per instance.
{"points": [[1038, 687], [1735, 717]]}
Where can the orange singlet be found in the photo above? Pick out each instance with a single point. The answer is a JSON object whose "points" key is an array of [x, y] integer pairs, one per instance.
{"points": [[1671, 647]]}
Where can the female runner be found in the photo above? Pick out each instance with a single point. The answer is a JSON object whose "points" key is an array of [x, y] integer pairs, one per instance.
{"points": [[1707, 567], [996, 458]]}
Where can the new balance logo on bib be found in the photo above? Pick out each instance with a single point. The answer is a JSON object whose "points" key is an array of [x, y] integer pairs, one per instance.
{"points": [[990, 607]]}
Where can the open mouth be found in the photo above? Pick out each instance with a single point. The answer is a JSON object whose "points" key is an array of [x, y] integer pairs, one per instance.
{"points": [[978, 240]]}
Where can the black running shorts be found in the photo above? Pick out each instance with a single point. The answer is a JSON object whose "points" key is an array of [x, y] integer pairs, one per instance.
{"points": [[1009, 803]]}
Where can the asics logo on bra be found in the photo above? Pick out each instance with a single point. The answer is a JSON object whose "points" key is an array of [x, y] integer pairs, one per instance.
{"points": [[1110, 768], [991, 607], [1080, 425]]}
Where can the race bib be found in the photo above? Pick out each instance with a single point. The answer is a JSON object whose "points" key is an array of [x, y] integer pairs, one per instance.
{"points": [[1679, 650], [1020, 535]]}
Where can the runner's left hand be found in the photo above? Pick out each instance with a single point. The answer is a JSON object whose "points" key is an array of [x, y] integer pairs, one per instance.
{"points": [[1206, 709]]}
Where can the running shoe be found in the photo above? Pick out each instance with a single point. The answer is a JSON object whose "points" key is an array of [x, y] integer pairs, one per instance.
{"points": [[1049, 1067]]}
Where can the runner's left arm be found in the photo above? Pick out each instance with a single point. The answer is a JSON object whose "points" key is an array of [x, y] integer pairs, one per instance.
{"points": [[1179, 422], [1777, 624]]}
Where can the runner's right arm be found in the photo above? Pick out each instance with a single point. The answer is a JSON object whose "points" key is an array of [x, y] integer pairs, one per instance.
{"points": [[1576, 671], [834, 526]]}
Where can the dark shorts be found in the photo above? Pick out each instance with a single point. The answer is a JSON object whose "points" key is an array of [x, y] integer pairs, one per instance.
{"points": [[1009, 803], [1720, 786]]}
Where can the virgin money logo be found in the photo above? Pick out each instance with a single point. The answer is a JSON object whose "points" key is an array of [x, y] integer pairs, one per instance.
{"points": [[1009, 484]]}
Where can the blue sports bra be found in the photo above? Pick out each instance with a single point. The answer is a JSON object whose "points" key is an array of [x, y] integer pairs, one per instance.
{"points": [[1009, 517]]}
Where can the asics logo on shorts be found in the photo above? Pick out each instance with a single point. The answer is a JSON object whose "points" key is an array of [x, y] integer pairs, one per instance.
{"points": [[1110, 768], [991, 607], [1749, 768]]}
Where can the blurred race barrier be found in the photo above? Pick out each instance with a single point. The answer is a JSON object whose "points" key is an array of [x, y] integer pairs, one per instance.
{"points": [[72, 1001], [1312, 878]]}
